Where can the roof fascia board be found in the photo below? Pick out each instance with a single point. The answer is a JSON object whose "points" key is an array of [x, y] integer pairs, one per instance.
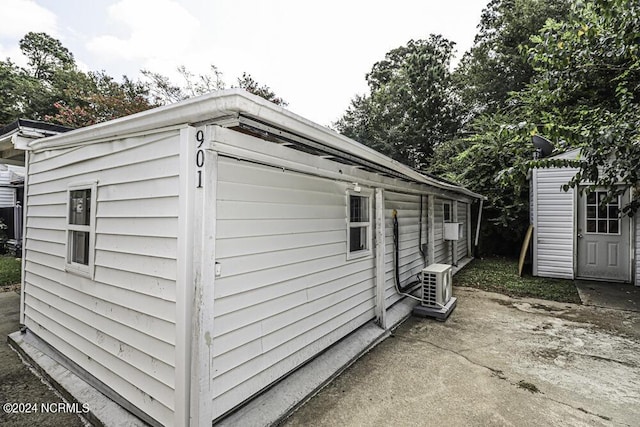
{"points": [[230, 102]]}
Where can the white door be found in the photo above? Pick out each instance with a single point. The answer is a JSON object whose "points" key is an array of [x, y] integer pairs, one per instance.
{"points": [[603, 238]]}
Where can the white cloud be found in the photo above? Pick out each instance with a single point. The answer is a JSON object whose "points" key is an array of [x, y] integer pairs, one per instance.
{"points": [[157, 30], [21, 16]]}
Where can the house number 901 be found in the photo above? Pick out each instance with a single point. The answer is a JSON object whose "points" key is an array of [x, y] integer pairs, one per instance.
{"points": [[200, 156]]}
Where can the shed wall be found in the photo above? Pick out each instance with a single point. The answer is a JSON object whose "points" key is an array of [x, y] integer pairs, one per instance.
{"points": [[286, 290], [119, 327], [553, 231], [409, 257]]}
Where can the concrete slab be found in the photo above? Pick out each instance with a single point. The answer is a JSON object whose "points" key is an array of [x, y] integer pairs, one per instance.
{"points": [[496, 361], [620, 296], [98, 409]]}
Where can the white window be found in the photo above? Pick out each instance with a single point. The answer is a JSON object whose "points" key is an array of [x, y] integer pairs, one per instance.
{"points": [[602, 218], [81, 213], [447, 211], [359, 225]]}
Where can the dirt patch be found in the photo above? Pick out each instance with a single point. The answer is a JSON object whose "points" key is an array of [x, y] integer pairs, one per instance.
{"points": [[10, 288], [620, 322], [528, 386]]}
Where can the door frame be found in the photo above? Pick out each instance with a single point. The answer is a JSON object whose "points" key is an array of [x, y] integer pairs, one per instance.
{"points": [[576, 224]]}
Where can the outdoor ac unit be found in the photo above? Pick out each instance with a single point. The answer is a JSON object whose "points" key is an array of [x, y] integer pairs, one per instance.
{"points": [[436, 285]]}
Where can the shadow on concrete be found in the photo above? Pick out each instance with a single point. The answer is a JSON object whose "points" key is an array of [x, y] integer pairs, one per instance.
{"points": [[617, 296]]}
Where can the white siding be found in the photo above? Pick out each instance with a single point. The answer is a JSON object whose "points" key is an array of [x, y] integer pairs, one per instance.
{"points": [[286, 290], [462, 218], [119, 327], [555, 223], [409, 257], [7, 194]]}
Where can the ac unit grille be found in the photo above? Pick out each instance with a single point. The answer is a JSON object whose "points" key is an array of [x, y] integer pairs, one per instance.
{"points": [[436, 285], [429, 289]]}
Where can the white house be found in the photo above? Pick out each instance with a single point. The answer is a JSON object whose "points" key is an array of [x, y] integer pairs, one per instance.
{"points": [[576, 238], [187, 257]]}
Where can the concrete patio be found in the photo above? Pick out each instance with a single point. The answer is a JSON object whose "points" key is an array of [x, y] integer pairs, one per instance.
{"points": [[496, 361]]}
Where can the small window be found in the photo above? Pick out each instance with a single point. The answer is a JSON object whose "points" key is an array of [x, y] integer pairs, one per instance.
{"points": [[447, 212], [359, 225], [81, 228], [602, 219]]}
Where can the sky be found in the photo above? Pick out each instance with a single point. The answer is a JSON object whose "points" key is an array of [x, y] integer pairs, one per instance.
{"points": [[314, 54]]}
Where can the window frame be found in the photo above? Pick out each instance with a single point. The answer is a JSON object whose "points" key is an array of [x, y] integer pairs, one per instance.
{"points": [[70, 266], [450, 204], [597, 218], [368, 195]]}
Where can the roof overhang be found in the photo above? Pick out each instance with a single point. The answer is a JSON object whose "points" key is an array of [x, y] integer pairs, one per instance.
{"points": [[16, 137], [237, 103]]}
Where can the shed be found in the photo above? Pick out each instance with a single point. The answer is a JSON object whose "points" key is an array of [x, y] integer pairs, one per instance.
{"points": [[574, 237], [187, 257]]}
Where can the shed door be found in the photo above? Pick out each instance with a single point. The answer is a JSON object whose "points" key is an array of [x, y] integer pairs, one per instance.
{"points": [[603, 238]]}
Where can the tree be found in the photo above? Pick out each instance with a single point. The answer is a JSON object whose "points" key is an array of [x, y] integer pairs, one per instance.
{"points": [[9, 84], [586, 92], [411, 107], [247, 83], [101, 100], [494, 67], [164, 91], [475, 162], [45, 55], [52, 88]]}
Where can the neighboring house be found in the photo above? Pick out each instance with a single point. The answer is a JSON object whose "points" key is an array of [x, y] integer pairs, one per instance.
{"points": [[14, 139], [11, 198], [210, 247], [576, 238]]}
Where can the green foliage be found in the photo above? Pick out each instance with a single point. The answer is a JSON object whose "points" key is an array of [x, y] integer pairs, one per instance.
{"points": [[501, 275], [46, 55], [52, 88], [494, 67], [575, 79], [475, 162], [99, 99], [164, 91], [247, 83], [9, 270], [411, 108], [586, 90]]}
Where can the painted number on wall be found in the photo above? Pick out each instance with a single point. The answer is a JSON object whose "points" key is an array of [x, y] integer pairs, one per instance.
{"points": [[199, 156]]}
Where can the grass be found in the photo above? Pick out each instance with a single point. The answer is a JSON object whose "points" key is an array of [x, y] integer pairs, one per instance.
{"points": [[501, 275], [9, 272]]}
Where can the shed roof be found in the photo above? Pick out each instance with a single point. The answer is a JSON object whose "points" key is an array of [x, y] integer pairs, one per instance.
{"points": [[239, 103]]}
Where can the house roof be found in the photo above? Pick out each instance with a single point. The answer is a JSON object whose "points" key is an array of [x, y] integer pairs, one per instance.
{"points": [[256, 111], [15, 136], [571, 154]]}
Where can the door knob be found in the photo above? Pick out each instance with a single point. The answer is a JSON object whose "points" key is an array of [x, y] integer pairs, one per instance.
{"points": [[580, 235]]}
